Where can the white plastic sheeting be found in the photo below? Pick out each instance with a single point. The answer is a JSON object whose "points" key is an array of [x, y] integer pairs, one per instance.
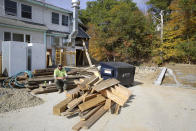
{"points": [[38, 56], [20, 56], [14, 57]]}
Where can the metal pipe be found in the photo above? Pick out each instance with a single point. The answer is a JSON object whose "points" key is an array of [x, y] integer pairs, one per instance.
{"points": [[72, 36]]}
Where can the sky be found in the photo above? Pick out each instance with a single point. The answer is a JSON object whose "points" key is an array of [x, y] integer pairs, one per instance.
{"points": [[67, 4]]}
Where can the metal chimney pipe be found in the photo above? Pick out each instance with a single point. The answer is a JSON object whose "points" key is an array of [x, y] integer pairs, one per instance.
{"points": [[75, 6]]}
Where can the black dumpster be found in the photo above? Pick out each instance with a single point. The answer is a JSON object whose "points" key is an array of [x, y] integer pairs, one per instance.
{"points": [[121, 71]]}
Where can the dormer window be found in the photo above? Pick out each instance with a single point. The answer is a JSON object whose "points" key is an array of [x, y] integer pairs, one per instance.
{"points": [[26, 11], [10, 7]]}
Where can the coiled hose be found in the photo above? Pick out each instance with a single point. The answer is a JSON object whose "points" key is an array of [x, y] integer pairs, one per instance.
{"points": [[13, 79]]}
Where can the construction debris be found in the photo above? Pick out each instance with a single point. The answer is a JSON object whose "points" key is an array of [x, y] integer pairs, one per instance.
{"points": [[87, 95], [92, 98]]}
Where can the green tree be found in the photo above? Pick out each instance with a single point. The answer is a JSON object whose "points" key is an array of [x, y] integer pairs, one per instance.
{"points": [[179, 43], [122, 31]]}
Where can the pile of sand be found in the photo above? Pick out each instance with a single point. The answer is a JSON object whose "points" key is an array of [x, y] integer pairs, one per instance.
{"points": [[13, 99]]}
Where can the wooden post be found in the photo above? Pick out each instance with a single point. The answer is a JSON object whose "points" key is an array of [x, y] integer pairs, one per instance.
{"points": [[87, 55]]}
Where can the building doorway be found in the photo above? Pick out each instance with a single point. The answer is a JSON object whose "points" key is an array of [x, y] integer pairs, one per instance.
{"points": [[79, 57]]}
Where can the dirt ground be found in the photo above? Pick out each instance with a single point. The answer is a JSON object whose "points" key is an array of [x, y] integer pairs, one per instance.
{"points": [[151, 108], [185, 73]]}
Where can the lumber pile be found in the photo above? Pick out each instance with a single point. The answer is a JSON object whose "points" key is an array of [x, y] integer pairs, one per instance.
{"points": [[43, 80], [91, 99], [43, 72]]}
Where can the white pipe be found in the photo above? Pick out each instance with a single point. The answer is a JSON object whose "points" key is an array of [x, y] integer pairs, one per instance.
{"points": [[72, 36]]}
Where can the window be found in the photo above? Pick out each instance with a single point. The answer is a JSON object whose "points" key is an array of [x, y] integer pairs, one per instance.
{"points": [[7, 36], [64, 41], [26, 11], [55, 41], [10, 7], [64, 20], [55, 18], [18, 37], [28, 38]]}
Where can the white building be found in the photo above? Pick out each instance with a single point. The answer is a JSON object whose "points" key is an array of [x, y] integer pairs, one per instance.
{"points": [[34, 21]]}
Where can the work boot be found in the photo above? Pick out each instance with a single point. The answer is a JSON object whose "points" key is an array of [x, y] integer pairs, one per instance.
{"points": [[60, 91]]}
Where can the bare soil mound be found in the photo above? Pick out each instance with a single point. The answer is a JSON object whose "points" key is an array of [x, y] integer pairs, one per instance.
{"points": [[13, 99]]}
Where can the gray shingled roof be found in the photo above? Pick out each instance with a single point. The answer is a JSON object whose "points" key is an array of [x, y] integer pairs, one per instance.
{"points": [[18, 23], [82, 33]]}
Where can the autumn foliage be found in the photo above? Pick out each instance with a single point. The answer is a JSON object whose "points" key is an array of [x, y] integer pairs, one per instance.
{"points": [[121, 32]]}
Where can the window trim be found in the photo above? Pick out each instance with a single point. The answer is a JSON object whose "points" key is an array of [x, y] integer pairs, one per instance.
{"points": [[25, 11], [56, 19]]}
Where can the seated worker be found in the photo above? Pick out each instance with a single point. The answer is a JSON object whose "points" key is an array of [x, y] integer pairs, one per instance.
{"points": [[60, 78]]}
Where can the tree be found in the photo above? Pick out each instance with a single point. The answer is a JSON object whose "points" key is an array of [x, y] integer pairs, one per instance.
{"points": [[122, 31], [180, 31]]}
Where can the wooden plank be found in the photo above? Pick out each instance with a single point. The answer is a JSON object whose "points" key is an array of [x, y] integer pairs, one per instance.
{"points": [[90, 121], [108, 104], [78, 126], [75, 103], [92, 80], [72, 92], [87, 55], [90, 96], [94, 118], [105, 84], [88, 82], [68, 114], [112, 109], [91, 103], [42, 90], [44, 70], [41, 79], [115, 92], [90, 113], [99, 81], [60, 107], [43, 74], [32, 87], [78, 82], [121, 92], [84, 83], [115, 98], [117, 109], [74, 76]]}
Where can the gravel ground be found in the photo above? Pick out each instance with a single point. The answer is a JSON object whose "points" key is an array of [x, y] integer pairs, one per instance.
{"points": [[152, 108], [13, 99]]}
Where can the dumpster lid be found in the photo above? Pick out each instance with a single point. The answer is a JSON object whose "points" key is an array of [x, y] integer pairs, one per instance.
{"points": [[117, 64]]}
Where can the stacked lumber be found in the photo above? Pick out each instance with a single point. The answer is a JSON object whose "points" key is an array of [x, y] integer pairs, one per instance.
{"points": [[91, 99], [43, 80], [42, 72]]}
